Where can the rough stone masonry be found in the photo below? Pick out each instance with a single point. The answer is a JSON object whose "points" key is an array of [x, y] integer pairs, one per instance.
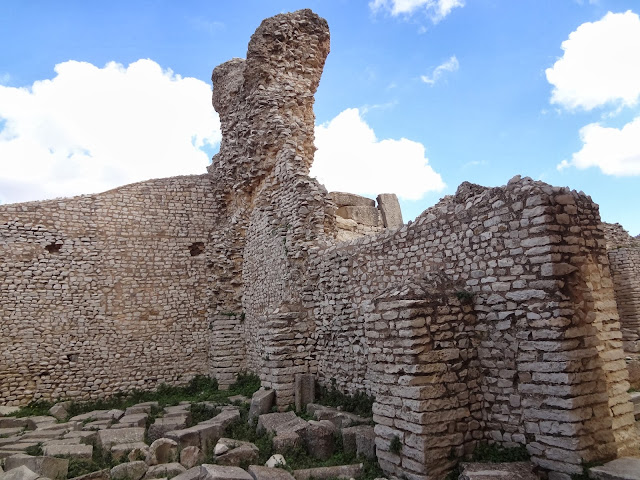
{"points": [[492, 317]]}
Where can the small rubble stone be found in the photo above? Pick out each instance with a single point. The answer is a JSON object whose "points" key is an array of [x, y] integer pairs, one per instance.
{"points": [[129, 471], [191, 456], [221, 472], [261, 403]]}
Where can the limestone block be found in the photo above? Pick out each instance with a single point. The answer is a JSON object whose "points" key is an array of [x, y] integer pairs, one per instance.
{"points": [[163, 425], [261, 403], [625, 468], [390, 210], [221, 472], [191, 456], [39, 421], [162, 450], [73, 451], [286, 442], [342, 199], [5, 432], [10, 422], [366, 442], [296, 425], [275, 460], [322, 473], [258, 472], [49, 467], [98, 475], [134, 451], [191, 474], [132, 420], [4, 410], [59, 410], [498, 471], [19, 473], [165, 470], [246, 453], [364, 215], [107, 438], [201, 435], [129, 470], [305, 390], [318, 438], [270, 421]]}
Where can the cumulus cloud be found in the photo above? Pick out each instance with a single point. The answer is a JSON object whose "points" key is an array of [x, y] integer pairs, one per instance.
{"points": [[351, 159], [600, 65], [90, 129], [450, 65], [436, 9], [615, 151]]}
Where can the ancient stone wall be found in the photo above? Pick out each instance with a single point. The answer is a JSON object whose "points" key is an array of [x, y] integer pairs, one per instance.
{"points": [[624, 257], [104, 293]]}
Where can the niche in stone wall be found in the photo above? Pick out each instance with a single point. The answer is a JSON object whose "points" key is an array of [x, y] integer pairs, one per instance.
{"points": [[196, 248], [53, 247]]}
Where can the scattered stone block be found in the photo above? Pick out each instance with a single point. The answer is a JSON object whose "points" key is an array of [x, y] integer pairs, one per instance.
{"points": [[167, 470], [145, 407], [4, 410], [49, 467], [97, 425], [191, 456], [11, 422], [238, 452], [132, 420], [343, 199], [258, 472], [318, 439], [269, 421], [625, 468], [221, 472], [390, 210], [121, 449], [86, 437], [349, 438], [323, 473], [366, 442], [39, 421], [275, 460], [163, 425], [4, 432], [20, 473], [129, 471], [163, 450], [261, 403], [286, 441], [59, 410], [201, 435], [304, 390], [296, 425], [98, 475], [238, 398], [107, 438], [224, 418], [73, 451], [191, 474]]}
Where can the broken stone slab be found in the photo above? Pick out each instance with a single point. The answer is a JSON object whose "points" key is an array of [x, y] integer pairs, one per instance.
{"points": [[261, 403], [201, 435], [625, 468], [107, 438], [38, 421], [129, 471], [19, 447], [49, 467], [66, 426], [119, 450], [132, 420], [113, 414], [163, 425], [369, 216], [4, 432], [41, 436], [97, 475], [498, 471], [63, 441], [296, 425], [224, 418], [11, 422], [390, 210], [167, 470], [286, 442], [97, 425], [258, 472], [20, 473], [318, 438], [5, 410], [323, 473], [221, 472], [269, 421], [304, 390], [191, 456], [162, 450], [240, 455], [191, 474], [86, 437], [73, 451], [59, 410], [343, 199]]}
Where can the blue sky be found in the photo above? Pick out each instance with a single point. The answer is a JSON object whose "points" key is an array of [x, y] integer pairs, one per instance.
{"points": [[416, 97]]}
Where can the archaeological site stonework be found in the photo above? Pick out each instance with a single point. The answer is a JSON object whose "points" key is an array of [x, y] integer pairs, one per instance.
{"points": [[498, 315]]}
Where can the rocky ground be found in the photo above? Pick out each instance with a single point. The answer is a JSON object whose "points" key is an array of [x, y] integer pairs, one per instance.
{"points": [[205, 440]]}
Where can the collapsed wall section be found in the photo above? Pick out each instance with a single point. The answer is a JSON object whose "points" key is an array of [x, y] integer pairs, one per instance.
{"points": [[104, 293]]}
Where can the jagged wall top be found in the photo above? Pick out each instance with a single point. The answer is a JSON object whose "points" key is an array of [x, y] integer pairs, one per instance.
{"points": [[265, 102]]}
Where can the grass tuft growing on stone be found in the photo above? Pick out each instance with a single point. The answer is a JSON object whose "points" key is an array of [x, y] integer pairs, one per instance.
{"points": [[360, 403]]}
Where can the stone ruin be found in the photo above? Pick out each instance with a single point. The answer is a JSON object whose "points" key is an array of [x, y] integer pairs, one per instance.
{"points": [[490, 318]]}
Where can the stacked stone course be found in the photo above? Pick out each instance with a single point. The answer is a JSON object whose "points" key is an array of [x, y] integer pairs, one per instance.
{"points": [[490, 318]]}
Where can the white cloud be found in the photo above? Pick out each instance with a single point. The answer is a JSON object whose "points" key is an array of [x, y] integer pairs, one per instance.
{"points": [[450, 65], [351, 159], [90, 129], [614, 151], [436, 9], [600, 65]]}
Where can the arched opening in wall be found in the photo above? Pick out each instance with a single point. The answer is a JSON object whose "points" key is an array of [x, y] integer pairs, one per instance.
{"points": [[53, 247], [196, 248]]}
